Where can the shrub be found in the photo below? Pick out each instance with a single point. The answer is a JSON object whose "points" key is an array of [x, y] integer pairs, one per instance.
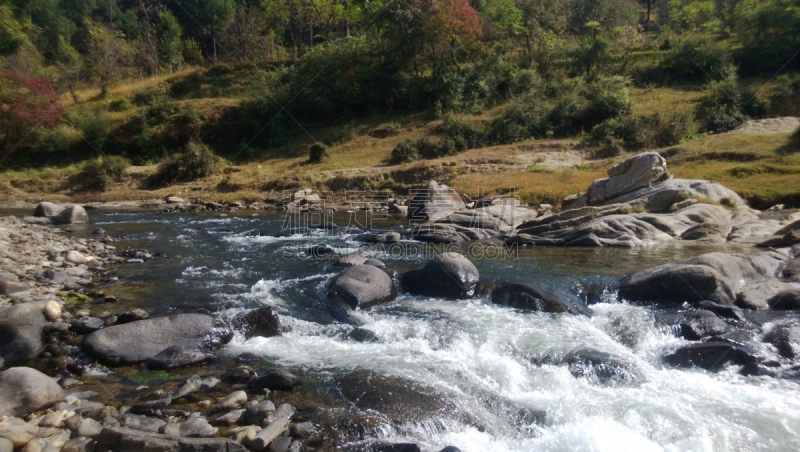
{"points": [[120, 104], [148, 149], [405, 152], [158, 102], [644, 131], [697, 59], [196, 161], [427, 149], [317, 152], [727, 105], [680, 127], [463, 135], [95, 130], [520, 122], [97, 174]]}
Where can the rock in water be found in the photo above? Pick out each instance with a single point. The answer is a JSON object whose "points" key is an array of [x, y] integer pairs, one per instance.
{"points": [[263, 322], [21, 330], [601, 367], [708, 355], [631, 174], [72, 215], [538, 298], [24, 390], [701, 324], [448, 275], [434, 202], [142, 340], [175, 356], [363, 286], [274, 380], [47, 210], [786, 339]]}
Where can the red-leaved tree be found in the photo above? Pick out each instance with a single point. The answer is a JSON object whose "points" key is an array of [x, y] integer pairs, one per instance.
{"points": [[26, 103]]}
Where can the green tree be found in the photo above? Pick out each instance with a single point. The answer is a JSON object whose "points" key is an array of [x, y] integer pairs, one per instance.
{"points": [[168, 38], [213, 16], [12, 33], [107, 55], [70, 66]]}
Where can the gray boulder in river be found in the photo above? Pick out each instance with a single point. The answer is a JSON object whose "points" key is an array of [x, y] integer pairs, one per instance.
{"points": [[363, 286], [144, 339], [72, 215], [21, 330], [449, 275], [434, 202], [723, 278], [24, 390], [538, 298], [47, 210]]}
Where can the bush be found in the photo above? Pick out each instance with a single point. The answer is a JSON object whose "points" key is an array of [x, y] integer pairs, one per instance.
{"points": [[697, 59], [405, 152], [196, 161], [462, 135], [317, 152], [148, 149], [644, 131], [727, 105], [120, 104], [97, 174], [158, 102], [521, 121]]}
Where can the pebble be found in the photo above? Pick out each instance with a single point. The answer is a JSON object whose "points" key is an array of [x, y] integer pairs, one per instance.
{"points": [[234, 400], [17, 431], [89, 428], [52, 310]]}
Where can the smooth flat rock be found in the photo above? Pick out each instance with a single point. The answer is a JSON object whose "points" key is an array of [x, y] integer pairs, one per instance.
{"points": [[633, 173], [144, 339], [175, 356], [434, 202], [363, 286]]}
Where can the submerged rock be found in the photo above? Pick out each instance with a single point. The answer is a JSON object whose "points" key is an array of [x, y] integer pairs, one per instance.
{"points": [[144, 339], [175, 356], [263, 322], [785, 338], [538, 298], [449, 275], [708, 355], [274, 380]]}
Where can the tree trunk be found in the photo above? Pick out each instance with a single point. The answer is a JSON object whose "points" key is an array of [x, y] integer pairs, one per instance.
{"points": [[214, 44], [649, 5], [103, 86], [71, 89]]}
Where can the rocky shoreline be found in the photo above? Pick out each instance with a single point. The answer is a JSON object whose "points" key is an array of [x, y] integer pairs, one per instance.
{"points": [[49, 338]]}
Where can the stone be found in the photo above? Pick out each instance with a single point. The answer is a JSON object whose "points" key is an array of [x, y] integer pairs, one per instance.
{"points": [[239, 375], [450, 449], [127, 440], [380, 237], [151, 407], [234, 400], [449, 275], [79, 445], [256, 412], [708, 355], [352, 259], [273, 430], [601, 367], [232, 418], [192, 385], [196, 426], [89, 428], [302, 430], [72, 215], [16, 431], [24, 390], [785, 338], [56, 276], [6, 445], [52, 419], [142, 340], [728, 312], [75, 257], [434, 202], [243, 435], [86, 325], [297, 446], [787, 300], [138, 422], [538, 298], [47, 210], [73, 422], [631, 174], [280, 444], [362, 286], [21, 333], [700, 324], [274, 380], [260, 322], [10, 288], [398, 447], [174, 357], [52, 310], [175, 200], [132, 316]]}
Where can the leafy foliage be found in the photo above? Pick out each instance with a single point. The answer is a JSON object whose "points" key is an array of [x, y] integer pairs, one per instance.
{"points": [[195, 161]]}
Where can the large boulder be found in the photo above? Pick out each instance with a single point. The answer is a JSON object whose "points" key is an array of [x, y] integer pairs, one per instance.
{"points": [[144, 339], [72, 215], [363, 286], [631, 174], [21, 333], [24, 390], [47, 210], [449, 275], [785, 338], [708, 355], [717, 277], [434, 202], [120, 439], [538, 298]]}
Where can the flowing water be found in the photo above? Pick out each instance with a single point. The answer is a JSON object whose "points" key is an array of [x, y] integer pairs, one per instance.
{"points": [[442, 372]]}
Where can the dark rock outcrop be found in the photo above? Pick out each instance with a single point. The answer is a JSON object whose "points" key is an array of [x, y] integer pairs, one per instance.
{"points": [[709, 355], [263, 321], [449, 275], [538, 298]]}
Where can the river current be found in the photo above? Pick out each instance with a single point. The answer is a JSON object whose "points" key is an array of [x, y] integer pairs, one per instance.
{"points": [[443, 372]]}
